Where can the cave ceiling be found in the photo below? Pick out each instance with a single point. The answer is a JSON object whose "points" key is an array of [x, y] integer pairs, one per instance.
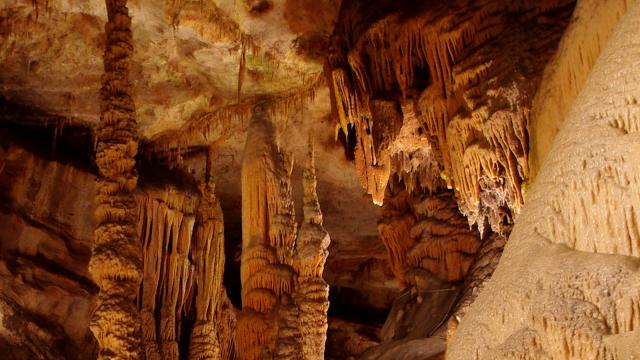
{"points": [[197, 69]]}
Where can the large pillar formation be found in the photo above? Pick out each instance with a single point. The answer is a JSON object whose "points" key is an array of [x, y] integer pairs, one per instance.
{"points": [[284, 297], [568, 284], [268, 238], [116, 263]]}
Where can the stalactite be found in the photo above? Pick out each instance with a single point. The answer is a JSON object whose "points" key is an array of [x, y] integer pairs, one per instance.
{"points": [[116, 262], [174, 280], [474, 106], [166, 227], [208, 254], [242, 67], [150, 225]]}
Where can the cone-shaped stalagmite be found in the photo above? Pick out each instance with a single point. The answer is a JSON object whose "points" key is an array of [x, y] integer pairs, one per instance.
{"points": [[116, 262], [312, 292]]}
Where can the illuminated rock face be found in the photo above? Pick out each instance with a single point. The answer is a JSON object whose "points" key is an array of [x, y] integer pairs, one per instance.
{"points": [[47, 296], [466, 72], [183, 242]]}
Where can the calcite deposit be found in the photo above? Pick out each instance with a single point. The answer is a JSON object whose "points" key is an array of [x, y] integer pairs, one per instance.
{"points": [[319, 179]]}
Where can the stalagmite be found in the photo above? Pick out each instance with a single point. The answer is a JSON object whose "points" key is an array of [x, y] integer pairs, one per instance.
{"points": [[208, 253], [268, 238], [284, 297], [566, 72], [312, 292], [116, 262], [481, 270]]}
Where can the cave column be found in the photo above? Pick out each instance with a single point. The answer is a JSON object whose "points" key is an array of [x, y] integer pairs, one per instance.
{"points": [[577, 233], [116, 263], [268, 239]]}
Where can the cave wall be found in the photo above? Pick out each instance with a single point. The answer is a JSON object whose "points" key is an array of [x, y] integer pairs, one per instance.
{"points": [[567, 71], [567, 284], [47, 296]]}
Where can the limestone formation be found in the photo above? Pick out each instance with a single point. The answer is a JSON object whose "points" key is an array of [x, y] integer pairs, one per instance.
{"points": [[312, 292], [268, 238], [284, 298], [208, 251], [116, 262], [567, 283], [475, 161], [460, 78], [167, 222], [427, 238]]}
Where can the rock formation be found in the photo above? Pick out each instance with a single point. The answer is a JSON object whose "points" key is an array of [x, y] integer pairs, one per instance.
{"points": [[567, 283], [166, 226], [312, 292], [474, 162], [451, 67], [284, 298], [268, 239], [116, 262], [208, 250]]}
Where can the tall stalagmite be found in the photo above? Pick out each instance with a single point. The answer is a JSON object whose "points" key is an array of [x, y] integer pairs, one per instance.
{"points": [[312, 292], [268, 238], [116, 263], [285, 299]]}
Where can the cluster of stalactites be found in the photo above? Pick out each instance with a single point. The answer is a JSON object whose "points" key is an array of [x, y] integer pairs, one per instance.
{"points": [[281, 270], [116, 262], [166, 226], [208, 254], [452, 68], [182, 236], [429, 43], [427, 238]]}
